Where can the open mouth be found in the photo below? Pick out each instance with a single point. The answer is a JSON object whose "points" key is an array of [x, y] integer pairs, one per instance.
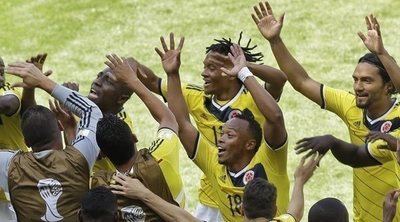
{"points": [[92, 94], [221, 151]]}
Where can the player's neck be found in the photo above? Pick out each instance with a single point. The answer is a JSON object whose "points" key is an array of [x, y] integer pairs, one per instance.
{"points": [[112, 110], [228, 93], [377, 109], [259, 219], [239, 164], [126, 167]]}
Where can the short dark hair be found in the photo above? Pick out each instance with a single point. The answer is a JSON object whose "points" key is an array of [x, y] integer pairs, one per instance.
{"points": [[373, 59], [223, 46], [115, 139], [328, 210], [99, 204], [39, 126], [254, 126], [259, 199]]}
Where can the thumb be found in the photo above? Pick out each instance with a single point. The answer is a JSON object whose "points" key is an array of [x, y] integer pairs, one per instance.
{"points": [[48, 73], [19, 84]]}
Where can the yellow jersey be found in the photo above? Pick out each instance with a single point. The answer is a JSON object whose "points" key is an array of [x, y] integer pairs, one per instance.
{"points": [[370, 184], [229, 188], [210, 117], [10, 126], [284, 218]]}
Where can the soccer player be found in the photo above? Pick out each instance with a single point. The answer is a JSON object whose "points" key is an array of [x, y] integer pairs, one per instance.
{"points": [[238, 159], [259, 198], [117, 142], [219, 99], [48, 183], [370, 108], [99, 205]]}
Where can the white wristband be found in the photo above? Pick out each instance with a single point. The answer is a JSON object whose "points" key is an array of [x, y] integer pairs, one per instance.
{"points": [[244, 73]]}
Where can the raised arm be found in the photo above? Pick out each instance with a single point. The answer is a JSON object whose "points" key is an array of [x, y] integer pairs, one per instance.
{"points": [[81, 106], [373, 42], [28, 94], [346, 153], [127, 75], [170, 58], [274, 128], [270, 28], [303, 173], [146, 76], [134, 189], [274, 79]]}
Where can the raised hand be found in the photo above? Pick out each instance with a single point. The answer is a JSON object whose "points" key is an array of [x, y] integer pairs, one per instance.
{"points": [[267, 24], [390, 205], [30, 74], [320, 144], [121, 70], [237, 58], [38, 61], [305, 170], [171, 58], [373, 39], [65, 117]]}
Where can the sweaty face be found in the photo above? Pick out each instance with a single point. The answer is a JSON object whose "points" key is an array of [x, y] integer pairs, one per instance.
{"points": [[214, 80], [368, 85], [231, 143], [2, 79], [104, 92]]}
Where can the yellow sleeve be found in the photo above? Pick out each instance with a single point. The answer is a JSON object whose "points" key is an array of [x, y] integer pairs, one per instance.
{"points": [[378, 151], [7, 90], [284, 218], [205, 156], [275, 159], [336, 101]]}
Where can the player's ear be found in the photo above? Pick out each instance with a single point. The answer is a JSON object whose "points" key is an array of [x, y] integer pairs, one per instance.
{"points": [[134, 138], [251, 144], [122, 99]]}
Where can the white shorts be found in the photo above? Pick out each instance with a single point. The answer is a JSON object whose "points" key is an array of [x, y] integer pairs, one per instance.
{"points": [[208, 214]]}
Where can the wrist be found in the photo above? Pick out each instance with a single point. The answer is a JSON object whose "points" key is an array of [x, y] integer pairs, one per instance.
{"points": [[275, 40], [244, 73]]}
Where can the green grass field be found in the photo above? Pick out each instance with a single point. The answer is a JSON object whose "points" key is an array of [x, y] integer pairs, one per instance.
{"points": [[322, 35]]}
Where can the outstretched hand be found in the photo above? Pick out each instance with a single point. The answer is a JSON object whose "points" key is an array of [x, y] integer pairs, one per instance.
{"points": [[127, 186], [171, 58], [38, 61], [373, 39], [320, 144], [237, 58], [121, 70], [389, 139], [267, 24], [305, 170], [30, 74], [64, 116]]}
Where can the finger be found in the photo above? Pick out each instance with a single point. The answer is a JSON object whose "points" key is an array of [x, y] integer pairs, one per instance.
{"points": [[51, 105], [378, 29], [258, 13], [362, 36], [18, 84], [368, 23], [117, 187], [43, 58], [111, 62], [141, 72], [117, 59], [19, 64], [164, 45], [180, 46], [159, 52], [48, 72], [269, 8], [171, 41], [309, 154], [118, 179], [306, 139], [263, 9], [16, 71], [225, 71], [255, 19], [111, 76]]}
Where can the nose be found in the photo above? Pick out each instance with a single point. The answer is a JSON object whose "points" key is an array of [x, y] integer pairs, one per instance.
{"points": [[358, 86]]}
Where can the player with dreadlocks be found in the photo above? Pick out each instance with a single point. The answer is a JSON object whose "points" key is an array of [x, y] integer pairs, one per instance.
{"points": [[219, 99]]}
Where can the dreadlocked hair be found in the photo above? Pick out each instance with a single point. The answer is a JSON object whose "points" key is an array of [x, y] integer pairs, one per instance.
{"points": [[223, 46]]}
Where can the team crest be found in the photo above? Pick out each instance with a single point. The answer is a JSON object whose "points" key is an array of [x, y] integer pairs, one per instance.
{"points": [[386, 127], [248, 176], [234, 113]]}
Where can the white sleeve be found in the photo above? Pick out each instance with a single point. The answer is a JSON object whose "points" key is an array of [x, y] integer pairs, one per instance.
{"points": [[5, 158]]}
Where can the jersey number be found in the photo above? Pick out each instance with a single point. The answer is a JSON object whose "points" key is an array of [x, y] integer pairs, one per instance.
{"points": [[235, 203]]}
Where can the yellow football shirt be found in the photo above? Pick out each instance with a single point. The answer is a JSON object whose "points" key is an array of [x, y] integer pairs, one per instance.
{"points": [[284, 218], [229, 191], [10, 126], [370, 184], [210, 116]]}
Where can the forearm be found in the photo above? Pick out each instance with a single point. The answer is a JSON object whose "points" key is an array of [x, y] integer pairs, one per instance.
{"points": [[274, 78], [157, 108], [296, 74], [27, 99], [351, 155], [165, 210], [151, 80], [391, 67], [296, 204]]}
